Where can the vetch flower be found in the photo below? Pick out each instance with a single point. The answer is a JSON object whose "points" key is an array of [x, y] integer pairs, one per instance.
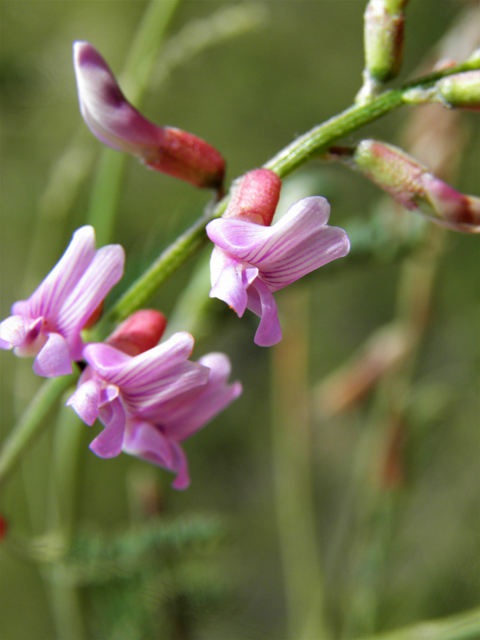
{"points": [[49, 323], [150, 402], [114, 121], [251, 261]]}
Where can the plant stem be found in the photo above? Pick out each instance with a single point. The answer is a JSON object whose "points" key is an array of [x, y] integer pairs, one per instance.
{"points": [[29, 425], [300, 151]]}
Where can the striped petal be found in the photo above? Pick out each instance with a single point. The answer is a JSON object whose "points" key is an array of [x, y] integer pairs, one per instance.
{"points": [[103, 272], [144, 440], [48, 299], [188, 412]]}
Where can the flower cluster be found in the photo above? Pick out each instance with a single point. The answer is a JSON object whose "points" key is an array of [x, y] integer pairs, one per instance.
{"points": [[150, 396]]}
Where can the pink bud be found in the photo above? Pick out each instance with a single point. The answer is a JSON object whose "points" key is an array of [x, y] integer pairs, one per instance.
{"points": [[140, 332], [411, 184], [255, 197], [116, 123], [454, 209]]}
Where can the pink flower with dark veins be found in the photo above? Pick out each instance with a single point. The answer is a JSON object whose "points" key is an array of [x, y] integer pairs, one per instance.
{"points": [[151, 402], [251, 261], [48, 324]]}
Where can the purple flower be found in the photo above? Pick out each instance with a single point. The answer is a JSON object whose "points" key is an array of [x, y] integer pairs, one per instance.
{"points": [[49, 323], [252, 261], [114, 121], [149, 403]]}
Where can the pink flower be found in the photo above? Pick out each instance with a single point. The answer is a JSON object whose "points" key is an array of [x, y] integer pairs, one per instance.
{"points": [[151, 402], [114, 121], [49, 323], [251, 261]]}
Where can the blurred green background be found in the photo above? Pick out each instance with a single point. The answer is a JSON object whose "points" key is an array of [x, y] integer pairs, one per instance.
{"points": [[414, 554]]}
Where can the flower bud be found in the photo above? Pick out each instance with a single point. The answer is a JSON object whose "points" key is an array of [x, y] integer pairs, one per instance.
{"points": [[412, 185], [384, 22], [116, 123], [140, 332], [461, 90], [255, 197]]}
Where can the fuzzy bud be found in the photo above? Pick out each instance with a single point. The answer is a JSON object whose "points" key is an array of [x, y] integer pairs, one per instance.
{"points": [[384, 24], [460, 91], [411, 184], [116, 123], [255, 197], [140, 332]]}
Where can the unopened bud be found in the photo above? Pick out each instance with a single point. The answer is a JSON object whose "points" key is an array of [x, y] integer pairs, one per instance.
{"points": [[116, 123], [461, 90], [384, 24], [255, 197], [140, 332], [411, 184]]}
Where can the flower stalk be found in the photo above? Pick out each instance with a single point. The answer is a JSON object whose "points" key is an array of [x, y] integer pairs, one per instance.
{"points": [[296, 154]]}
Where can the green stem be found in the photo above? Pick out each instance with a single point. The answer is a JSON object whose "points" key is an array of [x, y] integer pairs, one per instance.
{"points": [[300, 151], [463, 626], [30, 424]]}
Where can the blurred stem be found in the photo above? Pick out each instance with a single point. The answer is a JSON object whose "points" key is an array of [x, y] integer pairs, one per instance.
{"points": [[63, 489], [138, 68], [381, 463], [303, 149], [463, 626], [32, 422], [292, 465]]}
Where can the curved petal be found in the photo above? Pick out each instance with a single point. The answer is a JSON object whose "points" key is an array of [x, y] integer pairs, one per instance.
{"points": [[109, 443], [187, 413], [228, 280], [151, 377], [264, 246], [49, 297], [107, 113], [54, 358], [134, 372], [262, 303], [13, 331], [322, 246], [104, 271], [144, 440], [85, 401]]}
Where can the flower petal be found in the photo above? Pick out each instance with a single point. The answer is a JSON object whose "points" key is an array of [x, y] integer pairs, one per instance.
{"points": [[104, 271], [262, 303], [54, 358], [109, 443], [85, 401], [13, 331], [51, 294], [106, 111], [144, 440], [185, 414], [229, 281], [322, 246]]}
